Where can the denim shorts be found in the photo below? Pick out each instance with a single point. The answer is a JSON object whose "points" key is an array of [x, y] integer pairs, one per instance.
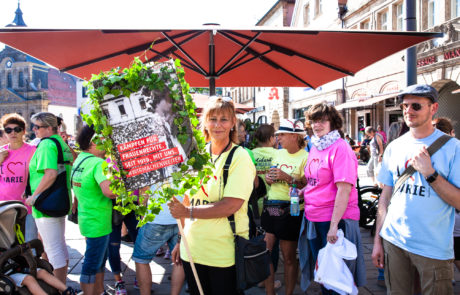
{"points": [[95, 258], [150, 238]]}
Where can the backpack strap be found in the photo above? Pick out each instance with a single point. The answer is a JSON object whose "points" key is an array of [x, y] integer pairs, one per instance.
{"points": [[59, 149], [74, 170], [432, 149], [227, 164]]}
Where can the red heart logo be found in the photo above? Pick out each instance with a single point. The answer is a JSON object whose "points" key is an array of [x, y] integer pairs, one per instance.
{"points": [[12, 163], [287, 167]]}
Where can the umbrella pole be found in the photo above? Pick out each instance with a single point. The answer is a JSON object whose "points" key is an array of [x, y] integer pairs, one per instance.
{"points": [[192, 264]]}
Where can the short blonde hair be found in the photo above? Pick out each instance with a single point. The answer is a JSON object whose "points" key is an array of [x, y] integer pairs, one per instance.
{"points": [[47, 118], [219, 105]]}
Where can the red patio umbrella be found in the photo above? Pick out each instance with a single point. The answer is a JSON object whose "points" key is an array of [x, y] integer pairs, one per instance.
{"points": [[215, 56]]}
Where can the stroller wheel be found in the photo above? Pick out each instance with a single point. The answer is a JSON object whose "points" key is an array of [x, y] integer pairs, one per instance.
{"points": [[7, 285]]}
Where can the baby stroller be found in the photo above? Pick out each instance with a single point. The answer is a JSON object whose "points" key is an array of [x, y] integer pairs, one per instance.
{"points": [[17, 257]]}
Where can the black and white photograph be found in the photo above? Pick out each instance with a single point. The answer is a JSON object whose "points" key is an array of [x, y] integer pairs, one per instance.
{"points": [[145, 136]]}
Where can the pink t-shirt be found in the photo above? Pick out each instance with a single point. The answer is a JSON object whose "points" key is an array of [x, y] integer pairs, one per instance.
{"points": [[13, 173], [324, 168]]}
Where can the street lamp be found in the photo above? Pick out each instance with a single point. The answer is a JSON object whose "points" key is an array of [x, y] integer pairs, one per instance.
{"points": [[343, 9]]}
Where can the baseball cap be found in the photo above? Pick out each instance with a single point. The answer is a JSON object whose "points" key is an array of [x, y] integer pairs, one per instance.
{"points": [[422, 90]]}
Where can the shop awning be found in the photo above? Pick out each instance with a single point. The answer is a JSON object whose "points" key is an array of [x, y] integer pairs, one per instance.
{"points": [[366, 101]]}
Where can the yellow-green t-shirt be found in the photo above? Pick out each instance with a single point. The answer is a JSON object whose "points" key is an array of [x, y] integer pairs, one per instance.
{"points": [[211, 240], [46, 157], [94, 208], [292, 164], [263, 157]]}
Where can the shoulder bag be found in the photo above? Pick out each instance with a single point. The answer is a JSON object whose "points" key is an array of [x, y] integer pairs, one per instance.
{"points": [[252, 258], [54, 201]]}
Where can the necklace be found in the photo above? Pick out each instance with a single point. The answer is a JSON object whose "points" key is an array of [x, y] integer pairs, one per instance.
{"points": [[225, 148]]}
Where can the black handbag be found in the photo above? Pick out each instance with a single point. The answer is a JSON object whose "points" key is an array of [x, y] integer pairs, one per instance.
{"points": [[54, 201], [252, 258]]}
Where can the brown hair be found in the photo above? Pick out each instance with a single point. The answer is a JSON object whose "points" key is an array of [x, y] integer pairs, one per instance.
{"points": [[14, 118], [219, 105], [300, 141], [264, 132], [323, 110], [444, 124], [47, 118]]}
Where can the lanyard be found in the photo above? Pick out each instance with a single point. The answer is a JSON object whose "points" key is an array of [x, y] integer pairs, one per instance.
{"points": [[225, 148]]}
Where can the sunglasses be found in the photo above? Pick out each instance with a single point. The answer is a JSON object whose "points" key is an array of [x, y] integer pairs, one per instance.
{"points": [[16, 129], [223, 98], [38, 127], [415, 106]]}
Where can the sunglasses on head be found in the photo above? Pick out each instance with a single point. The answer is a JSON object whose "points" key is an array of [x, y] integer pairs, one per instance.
{"points": [[415, 106], [16, 129]]}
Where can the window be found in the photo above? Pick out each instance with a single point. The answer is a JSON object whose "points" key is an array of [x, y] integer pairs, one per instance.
{"points": [[455, 8], [9, 81], [142, 103], [365, 25], [432, 13], [121, 107], [306, 16], [318, 7], [21, 79], [105, 110], [83, 92], [383, 20], [299, 114], [398, 16]]}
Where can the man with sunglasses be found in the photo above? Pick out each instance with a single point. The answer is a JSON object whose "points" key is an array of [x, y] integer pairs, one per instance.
{"points": [[415, 229]]}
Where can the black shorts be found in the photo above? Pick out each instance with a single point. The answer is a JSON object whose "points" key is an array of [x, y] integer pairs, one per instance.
{"points": [[285, 227], [457, 248]]}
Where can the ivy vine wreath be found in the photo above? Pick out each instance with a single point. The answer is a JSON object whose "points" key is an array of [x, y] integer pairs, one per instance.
{"points": [[124, 82]]}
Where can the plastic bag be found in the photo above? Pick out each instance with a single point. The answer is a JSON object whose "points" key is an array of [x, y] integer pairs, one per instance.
{"points": [[331, 271]]}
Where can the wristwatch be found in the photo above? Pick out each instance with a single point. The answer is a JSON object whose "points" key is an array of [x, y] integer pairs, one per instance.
{"points": [[432, 177]]}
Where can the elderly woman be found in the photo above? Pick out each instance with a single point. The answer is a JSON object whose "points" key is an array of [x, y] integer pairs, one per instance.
{"points": [[331, 199], [276, 219], [43, 171], [92, 189], [14, 160], [207, 228]]}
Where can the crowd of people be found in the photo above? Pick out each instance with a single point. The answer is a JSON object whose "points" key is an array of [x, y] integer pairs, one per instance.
{"points": [[414, 243]]}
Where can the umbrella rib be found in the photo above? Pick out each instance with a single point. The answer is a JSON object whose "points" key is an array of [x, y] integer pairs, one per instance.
{"points": [[265, 59], [195, 63], [131, 50], [184, 62], [236, 64], [172, 49], [243, 48], [290, 52]]}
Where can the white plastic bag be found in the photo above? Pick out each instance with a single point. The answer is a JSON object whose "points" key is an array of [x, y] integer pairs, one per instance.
{"points": [[331, 271]]}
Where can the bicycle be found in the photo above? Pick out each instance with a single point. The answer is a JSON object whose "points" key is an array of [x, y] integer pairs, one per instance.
{"points": [[368, 199]]}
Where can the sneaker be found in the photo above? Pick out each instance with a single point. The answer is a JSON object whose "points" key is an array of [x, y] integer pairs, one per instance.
{"points": [[135, 285], [168, 254], [160, 251], [120, 288]]}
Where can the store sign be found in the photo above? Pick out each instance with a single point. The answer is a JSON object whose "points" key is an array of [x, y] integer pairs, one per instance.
{"points": [[359, 94], [427, 61], [273, 94], [452, 54], [256, 110]]}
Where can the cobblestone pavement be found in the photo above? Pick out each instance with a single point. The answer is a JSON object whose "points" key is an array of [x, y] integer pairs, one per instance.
{"points": [[161, 268]]}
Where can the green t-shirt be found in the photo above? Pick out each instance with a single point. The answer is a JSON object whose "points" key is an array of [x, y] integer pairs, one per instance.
{"points": [[46, 157], [292, 164], [94, 209]]}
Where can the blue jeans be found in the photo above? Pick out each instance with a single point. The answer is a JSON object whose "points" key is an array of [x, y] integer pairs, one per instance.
{"points": [[150, 238], [115, 239], [95, 258], [316, 244]]}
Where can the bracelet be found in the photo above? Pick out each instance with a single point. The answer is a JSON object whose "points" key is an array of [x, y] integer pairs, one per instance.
{"points": [[191, 213]]}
